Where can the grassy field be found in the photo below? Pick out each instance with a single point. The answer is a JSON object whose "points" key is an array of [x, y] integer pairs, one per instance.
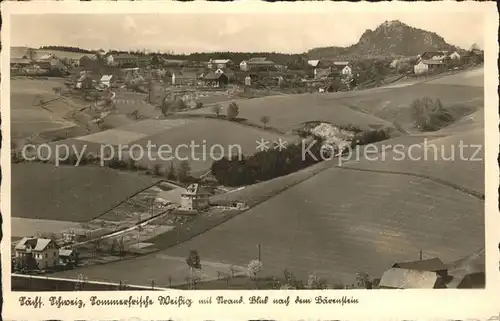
{"points": [[365, 225], [439, 158], [165, 270], [179, 133], [461, 93], [67, 193], [26, 117], [21, 227], [287, 112]]}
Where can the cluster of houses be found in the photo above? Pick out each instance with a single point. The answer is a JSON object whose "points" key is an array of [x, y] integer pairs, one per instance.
{"points": [[215, 73], [431, 60], [36, 65]]}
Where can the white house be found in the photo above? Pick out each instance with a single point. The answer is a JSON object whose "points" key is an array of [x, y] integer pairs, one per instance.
{"points": [[219, 63], [195, 198], [421, 68], [347, 71], [256, 62], [346, 68], [248, 81], [110, 60], [313, 63], [45, 252], [424, 66], [106, 80], [454, 56]]}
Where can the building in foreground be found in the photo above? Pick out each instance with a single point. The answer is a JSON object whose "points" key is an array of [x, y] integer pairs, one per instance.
{"points": [[44, 252], [195, 198]]}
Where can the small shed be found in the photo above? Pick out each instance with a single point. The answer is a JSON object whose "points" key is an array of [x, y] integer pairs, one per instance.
{"points": [[106, 80], [217, 80]]}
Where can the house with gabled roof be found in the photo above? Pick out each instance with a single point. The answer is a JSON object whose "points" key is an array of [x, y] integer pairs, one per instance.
{"points": [[397, 278], [195, 198], [217, 80], [219, 63], [44, 251], [124, 59], [256, 62], [431, 265]]}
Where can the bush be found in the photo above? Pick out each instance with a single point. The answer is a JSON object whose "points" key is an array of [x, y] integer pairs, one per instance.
{"points": [[232, 111], [429, 115], [370, 136]]}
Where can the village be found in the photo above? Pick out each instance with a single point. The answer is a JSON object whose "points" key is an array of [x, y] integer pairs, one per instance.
{"points": [[101, 69], [95, 217]]}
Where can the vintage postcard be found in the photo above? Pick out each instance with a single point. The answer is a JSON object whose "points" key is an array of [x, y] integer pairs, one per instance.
{"points": [[250, 160]]}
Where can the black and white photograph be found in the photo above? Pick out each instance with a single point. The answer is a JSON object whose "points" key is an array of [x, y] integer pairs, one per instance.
{"points": [[244, 151]]}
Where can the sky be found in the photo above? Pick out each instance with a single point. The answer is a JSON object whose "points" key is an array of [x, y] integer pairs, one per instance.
{"points": [[209, 32]]}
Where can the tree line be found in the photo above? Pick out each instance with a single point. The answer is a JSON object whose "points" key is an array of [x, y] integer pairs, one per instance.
{"points": [[266, 164]]}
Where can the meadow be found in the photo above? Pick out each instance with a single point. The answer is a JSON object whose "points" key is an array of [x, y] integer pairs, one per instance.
{"points": [[461, 93], [27, 117], [439, 158], [68, 193]]}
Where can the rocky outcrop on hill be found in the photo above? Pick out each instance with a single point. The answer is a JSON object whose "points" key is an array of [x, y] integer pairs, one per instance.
{"points": [[390, 39]]}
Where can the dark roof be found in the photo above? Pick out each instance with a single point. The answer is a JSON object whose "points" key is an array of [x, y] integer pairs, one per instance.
{"points": [[124, 56], [432, 265], [260, 62], [467, 269], [432, 62], [431, 54], [20, 61], [213, 76], [257, 59]]}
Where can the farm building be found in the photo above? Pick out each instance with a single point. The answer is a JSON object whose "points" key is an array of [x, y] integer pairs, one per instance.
{"points": [[344, 67], [219, 63], [216, 80], [254, 63], [144, 61], [248, 81], [468, 272], [320, 63], [106, 80], [430, 265], [454, 56], [124, 60], [174, 63], [397, 278], [433, 55], [184, 78], [67, 256], [19, 62], [88, 62], [110, 60], [228, 72], [84, 82], [195, 198], [425, 66], [21, 52], [44, 251]]}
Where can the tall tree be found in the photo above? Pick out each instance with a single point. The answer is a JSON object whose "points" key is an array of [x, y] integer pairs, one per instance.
{"points": [[232, 111], [194, 263]]}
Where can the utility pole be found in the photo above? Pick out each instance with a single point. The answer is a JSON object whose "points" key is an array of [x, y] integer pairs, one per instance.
{"points": [[258, 246], [420, 254]]}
